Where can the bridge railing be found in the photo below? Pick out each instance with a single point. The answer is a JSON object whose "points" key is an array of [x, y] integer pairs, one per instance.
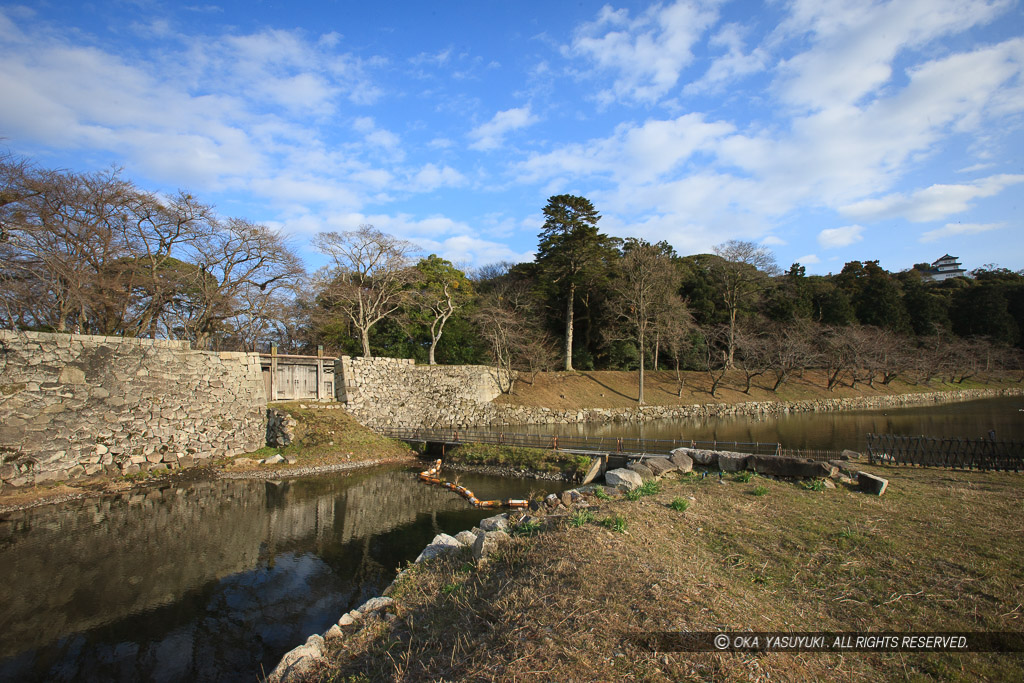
{"points": [[981, 454], [597, 444]]}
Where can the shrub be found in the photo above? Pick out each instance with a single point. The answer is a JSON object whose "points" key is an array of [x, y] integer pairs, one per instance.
{"points": [[580, 517], [616, 523], [679, 504], [814, 485], [760, 490], [527, 527], [744, 476]]}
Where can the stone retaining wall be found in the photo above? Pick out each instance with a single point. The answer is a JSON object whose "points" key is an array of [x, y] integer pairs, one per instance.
{"points": [[73, 405], [390, 392], [394, 392]]}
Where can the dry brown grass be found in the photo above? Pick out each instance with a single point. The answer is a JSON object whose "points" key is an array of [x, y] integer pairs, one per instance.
{"points": [[940, 551], [618, 389]]}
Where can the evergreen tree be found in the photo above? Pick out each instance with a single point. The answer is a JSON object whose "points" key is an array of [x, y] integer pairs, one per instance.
{"points": [[571, 248]]}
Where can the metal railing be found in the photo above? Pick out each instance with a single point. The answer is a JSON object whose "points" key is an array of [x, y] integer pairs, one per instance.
{"points": [[579, 444], [981, 454]]}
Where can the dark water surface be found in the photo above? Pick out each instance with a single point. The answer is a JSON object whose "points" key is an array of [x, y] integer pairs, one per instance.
{"points": [[210, 581], [828, 430]]}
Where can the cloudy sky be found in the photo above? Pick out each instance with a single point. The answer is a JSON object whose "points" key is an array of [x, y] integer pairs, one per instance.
{"points": [[829, 131]]}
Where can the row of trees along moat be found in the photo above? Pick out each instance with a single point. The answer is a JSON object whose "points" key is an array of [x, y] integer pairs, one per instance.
{"points": [[92, 253]]}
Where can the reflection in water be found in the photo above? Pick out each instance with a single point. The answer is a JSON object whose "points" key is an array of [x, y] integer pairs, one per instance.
{"points": [[827, 430], [212, 580]]}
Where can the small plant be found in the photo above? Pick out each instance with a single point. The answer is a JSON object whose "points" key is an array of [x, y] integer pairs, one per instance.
{"points": [[679, 504], [633, 494], [744, 476], [450, 588], [600, 493], [616, 523], [527, 527], [580, 517], [650, 488], [760, 490], [814, 485]]}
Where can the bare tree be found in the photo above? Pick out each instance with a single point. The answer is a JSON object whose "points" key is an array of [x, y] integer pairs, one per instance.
{"points": [[645, 292], [753, 353], [675, 330], [713, 354], [507, 319], [788, 348], [836, 355], [740, 275], [370, 276]]}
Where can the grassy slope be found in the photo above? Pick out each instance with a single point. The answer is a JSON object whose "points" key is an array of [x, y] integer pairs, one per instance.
{"points": [[940, 551], [616, 389], [327, 436], [515, 457]]}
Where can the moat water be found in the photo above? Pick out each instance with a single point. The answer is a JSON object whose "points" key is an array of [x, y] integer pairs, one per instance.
{"points": [[820, 431], [214, 581], [211, 581]]}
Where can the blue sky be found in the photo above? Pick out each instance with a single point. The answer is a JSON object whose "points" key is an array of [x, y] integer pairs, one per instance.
{"points": [[827, 131]]}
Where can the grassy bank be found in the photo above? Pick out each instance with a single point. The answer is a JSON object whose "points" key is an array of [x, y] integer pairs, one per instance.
{"points": [[324, 436], [618, 389], [940, 551], [514, 457]]}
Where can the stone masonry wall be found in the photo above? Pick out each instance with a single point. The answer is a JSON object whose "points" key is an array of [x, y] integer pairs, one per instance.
{"points": [[395, 393], [73, 405]]}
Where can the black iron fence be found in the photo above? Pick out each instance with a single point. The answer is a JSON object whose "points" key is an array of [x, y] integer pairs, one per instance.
{"points": [[980, 454], [580, 444]]}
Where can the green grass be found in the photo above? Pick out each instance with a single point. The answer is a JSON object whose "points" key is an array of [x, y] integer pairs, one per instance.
{"points": [[527, 528], [679, 504], [646, 489], [935, 550], [616, 522], [580, 517], [760, 490], [537, 459], [600, 493], [814, 485], [743, 477]]}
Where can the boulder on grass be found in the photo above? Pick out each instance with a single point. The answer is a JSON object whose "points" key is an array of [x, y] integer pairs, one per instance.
{"points": [[643, 470], [627, 479], [681, 460], [869, 483], [786, 466], [487, 543], [660, 466], [441, 545], [732, 462], [297, 664]]}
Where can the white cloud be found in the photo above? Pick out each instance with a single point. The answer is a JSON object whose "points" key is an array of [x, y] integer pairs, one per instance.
{"points": [[773, 241], [808, 260], [734, 64], [853, 45], [833, 238], [473, 251], [491, 135], [633, 154], [648, 52], [430, 177], [932, 203], [953, 229]]}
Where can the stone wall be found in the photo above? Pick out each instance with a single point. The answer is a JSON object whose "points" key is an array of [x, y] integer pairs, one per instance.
{"points": [[395, 392], [73, 405]]}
